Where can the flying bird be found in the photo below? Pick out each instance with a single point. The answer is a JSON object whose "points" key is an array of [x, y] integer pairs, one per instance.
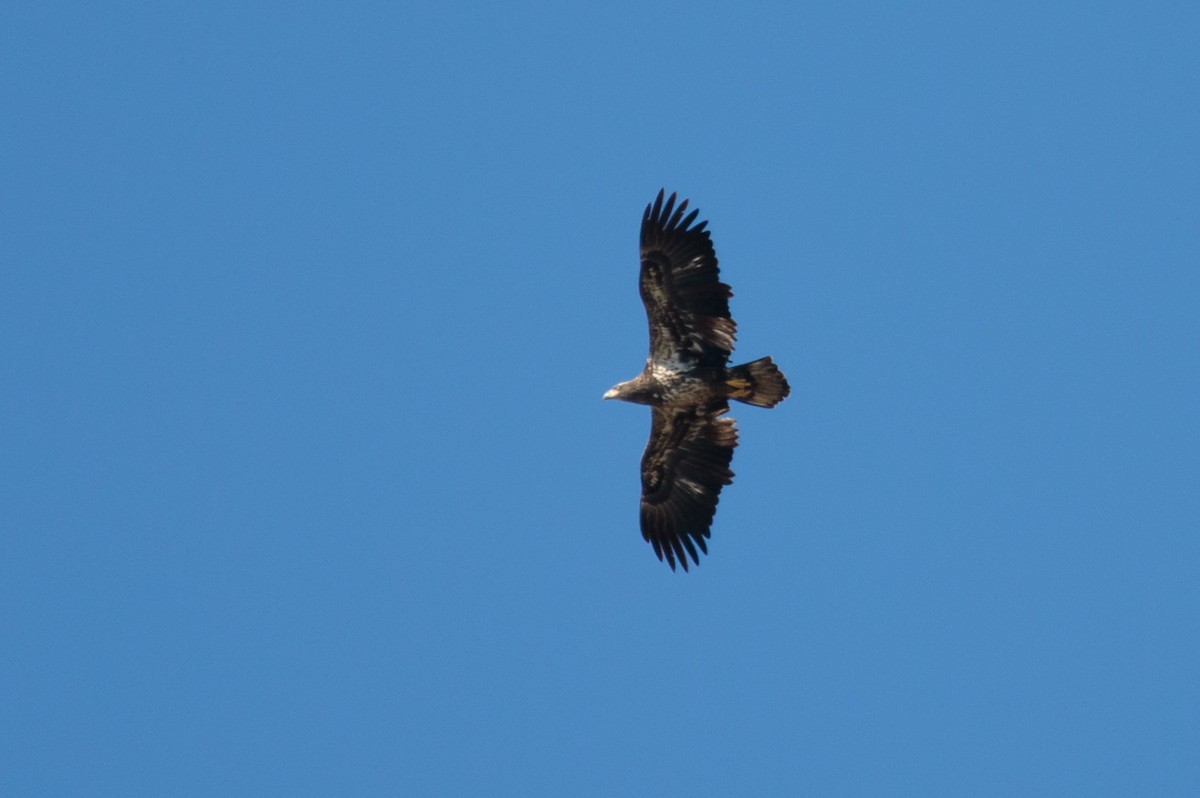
{"points": [[688, 382]]}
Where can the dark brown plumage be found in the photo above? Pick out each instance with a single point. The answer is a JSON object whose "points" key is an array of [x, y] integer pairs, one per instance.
{"points": [[688, 383]]}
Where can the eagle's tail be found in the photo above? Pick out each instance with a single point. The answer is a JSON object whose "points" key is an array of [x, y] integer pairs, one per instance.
{"points": [[758, 383]]}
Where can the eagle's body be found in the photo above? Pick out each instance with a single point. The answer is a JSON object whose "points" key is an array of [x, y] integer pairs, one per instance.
{"points": [[670, 385], [688, 382]]}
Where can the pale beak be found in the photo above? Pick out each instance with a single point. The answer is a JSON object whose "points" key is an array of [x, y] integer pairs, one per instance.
{"points": [[611, 393]]}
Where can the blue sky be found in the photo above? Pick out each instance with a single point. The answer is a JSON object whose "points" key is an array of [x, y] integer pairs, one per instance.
{"points": [[307, 488]]}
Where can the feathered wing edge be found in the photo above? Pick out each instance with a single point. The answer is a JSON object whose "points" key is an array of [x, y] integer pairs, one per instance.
{"points": [[685, 465], [687, 305]]}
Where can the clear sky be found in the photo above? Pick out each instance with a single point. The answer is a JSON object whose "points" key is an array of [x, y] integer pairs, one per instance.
{"points": [[307, 487]]}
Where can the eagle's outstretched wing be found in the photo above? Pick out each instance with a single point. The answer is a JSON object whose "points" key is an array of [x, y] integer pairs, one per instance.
{"points": [[686, 303], [683, 470]]}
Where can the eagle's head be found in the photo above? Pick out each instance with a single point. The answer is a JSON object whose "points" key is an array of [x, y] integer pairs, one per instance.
{"points": [[635, 390]]}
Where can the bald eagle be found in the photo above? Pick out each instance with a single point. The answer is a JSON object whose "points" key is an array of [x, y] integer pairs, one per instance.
{"points": [[688, 382]]}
